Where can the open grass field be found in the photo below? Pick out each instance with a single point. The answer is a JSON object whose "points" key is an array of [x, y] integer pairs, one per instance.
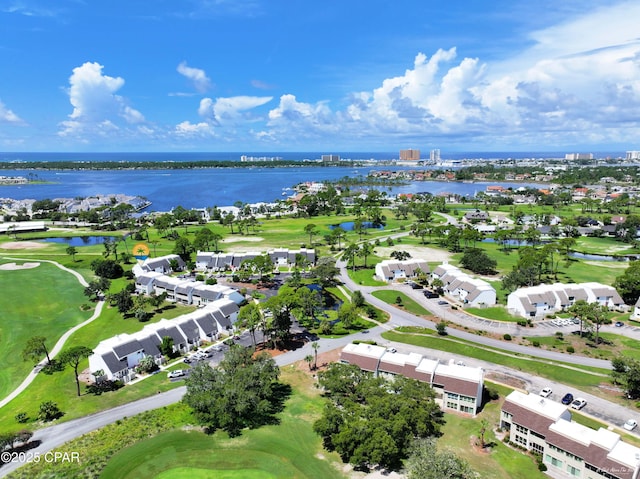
{"points": [[43, 301], [288, 450]]}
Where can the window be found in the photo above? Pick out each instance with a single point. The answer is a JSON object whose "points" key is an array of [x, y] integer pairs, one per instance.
{"points": [[452, 396], [466, 409], [537, 447], [521, 429], [521, 440], [452, 405], [574, 471], [553, 461]]}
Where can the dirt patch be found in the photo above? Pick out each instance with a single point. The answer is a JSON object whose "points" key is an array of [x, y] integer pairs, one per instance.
{"points": [[506, 380], [14, 266], [421, 252], [22, 245]]}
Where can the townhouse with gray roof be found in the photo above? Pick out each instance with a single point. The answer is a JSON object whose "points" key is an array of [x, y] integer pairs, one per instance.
{"points": [[539, 301], [209, 261], [463, 287], [117, 357], [393, 270]]}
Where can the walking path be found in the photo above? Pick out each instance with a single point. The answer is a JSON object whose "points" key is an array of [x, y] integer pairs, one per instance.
{"points": [[60, 343]]}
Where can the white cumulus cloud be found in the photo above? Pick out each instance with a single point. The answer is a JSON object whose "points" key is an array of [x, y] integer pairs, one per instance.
{"points": [[96, 106], [188, 129], [198, 77]]}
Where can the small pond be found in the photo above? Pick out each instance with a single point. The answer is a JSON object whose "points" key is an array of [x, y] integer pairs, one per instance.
{"points": [[79, 240], [349, 225]]}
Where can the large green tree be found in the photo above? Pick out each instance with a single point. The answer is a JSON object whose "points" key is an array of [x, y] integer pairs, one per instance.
{"points": [[243, 391], [628, 284], [478, 261], [426, 462], [372, 421], [35, 348], [72, 357]]}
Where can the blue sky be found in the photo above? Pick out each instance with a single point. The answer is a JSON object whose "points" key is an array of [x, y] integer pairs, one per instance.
{"points": [[353, 75]]}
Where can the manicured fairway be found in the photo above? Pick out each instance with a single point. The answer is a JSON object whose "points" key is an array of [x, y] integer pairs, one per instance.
{"points": [[182, 454], [43, 301]]}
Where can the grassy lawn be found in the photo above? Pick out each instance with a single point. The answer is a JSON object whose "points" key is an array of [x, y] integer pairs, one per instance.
{"points": [[43, 301], [157, 444], [497, 313], [616, 344], [365, 277], [572, 376], [408, 304]]}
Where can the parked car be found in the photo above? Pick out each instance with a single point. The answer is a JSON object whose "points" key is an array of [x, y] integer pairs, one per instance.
{"points": [[579, 403], [188, 359], [442, 302], [392, 350], [630, 425], [429, 294], [619, 324], [567, 399], [176, 374], [546, 392]]}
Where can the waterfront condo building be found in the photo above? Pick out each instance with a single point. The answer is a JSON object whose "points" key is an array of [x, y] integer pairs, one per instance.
{"points": [[409, 155]]}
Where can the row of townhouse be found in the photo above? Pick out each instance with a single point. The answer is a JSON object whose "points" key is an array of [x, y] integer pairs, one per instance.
{"points": [[209, 261], [117, 357], [163, 264], [185, 291], [467, 289], [544, 427], [538, 301], [393, 270], [458, 388]]}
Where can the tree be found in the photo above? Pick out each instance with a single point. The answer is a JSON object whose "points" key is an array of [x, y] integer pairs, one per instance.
{"points": [[400, 255], [48, 411], [628, 284], [72, 357], [350, 254], [107, 268], [478, 261], [347, 315], [243, 391], [425, 462], [35, 348], [315, 346], [626, 371], [183, 248], [357, 298], [326, 270], [166, 346], [97, 287], [441, 327], [311, 230], [366, 250], [250, 316], [308, 359], [72, 251], [371, 420], [122, 300]]}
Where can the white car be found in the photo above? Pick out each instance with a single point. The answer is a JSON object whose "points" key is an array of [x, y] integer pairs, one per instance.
{"points": [[545, 392], [579, 403], [630, 425], [176, 374]]}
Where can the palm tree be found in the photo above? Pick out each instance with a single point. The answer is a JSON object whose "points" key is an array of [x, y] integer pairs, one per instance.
{"points": [[72, 251], [315, 347], [309, 359]]}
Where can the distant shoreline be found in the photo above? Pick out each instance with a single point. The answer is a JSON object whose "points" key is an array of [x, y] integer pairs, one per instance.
{"points": [[164, 165]]}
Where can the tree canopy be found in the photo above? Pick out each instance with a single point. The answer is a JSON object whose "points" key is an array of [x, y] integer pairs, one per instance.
{"points": [[372, 421], [243, 391]]}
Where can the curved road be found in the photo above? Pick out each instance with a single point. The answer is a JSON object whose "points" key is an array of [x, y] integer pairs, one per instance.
{"points": [[56, 435]]}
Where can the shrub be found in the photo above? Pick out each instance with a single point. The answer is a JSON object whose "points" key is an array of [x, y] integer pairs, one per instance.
{"points": [[22, 417], [536, 344], [506, 337], [571, 349], [49, 411], [541, 466], [441, 327]]}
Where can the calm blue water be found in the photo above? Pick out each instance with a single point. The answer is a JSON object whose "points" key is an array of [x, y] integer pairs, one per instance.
{"points": [[197, 188], [79, 240]]}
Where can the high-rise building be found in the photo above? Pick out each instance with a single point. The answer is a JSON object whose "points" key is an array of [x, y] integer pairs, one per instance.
{"points": [[633, 155], [578, 156], [410, 155], [330, 158], [435, 155]]}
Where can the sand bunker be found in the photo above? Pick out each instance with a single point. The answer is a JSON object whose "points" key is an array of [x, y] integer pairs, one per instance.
{"points": [[235, 239], [14, 266], [22, 245], [421, 252]]}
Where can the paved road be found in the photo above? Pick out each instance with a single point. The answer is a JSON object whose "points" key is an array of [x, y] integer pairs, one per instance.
{"points": [[55, 436]]}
